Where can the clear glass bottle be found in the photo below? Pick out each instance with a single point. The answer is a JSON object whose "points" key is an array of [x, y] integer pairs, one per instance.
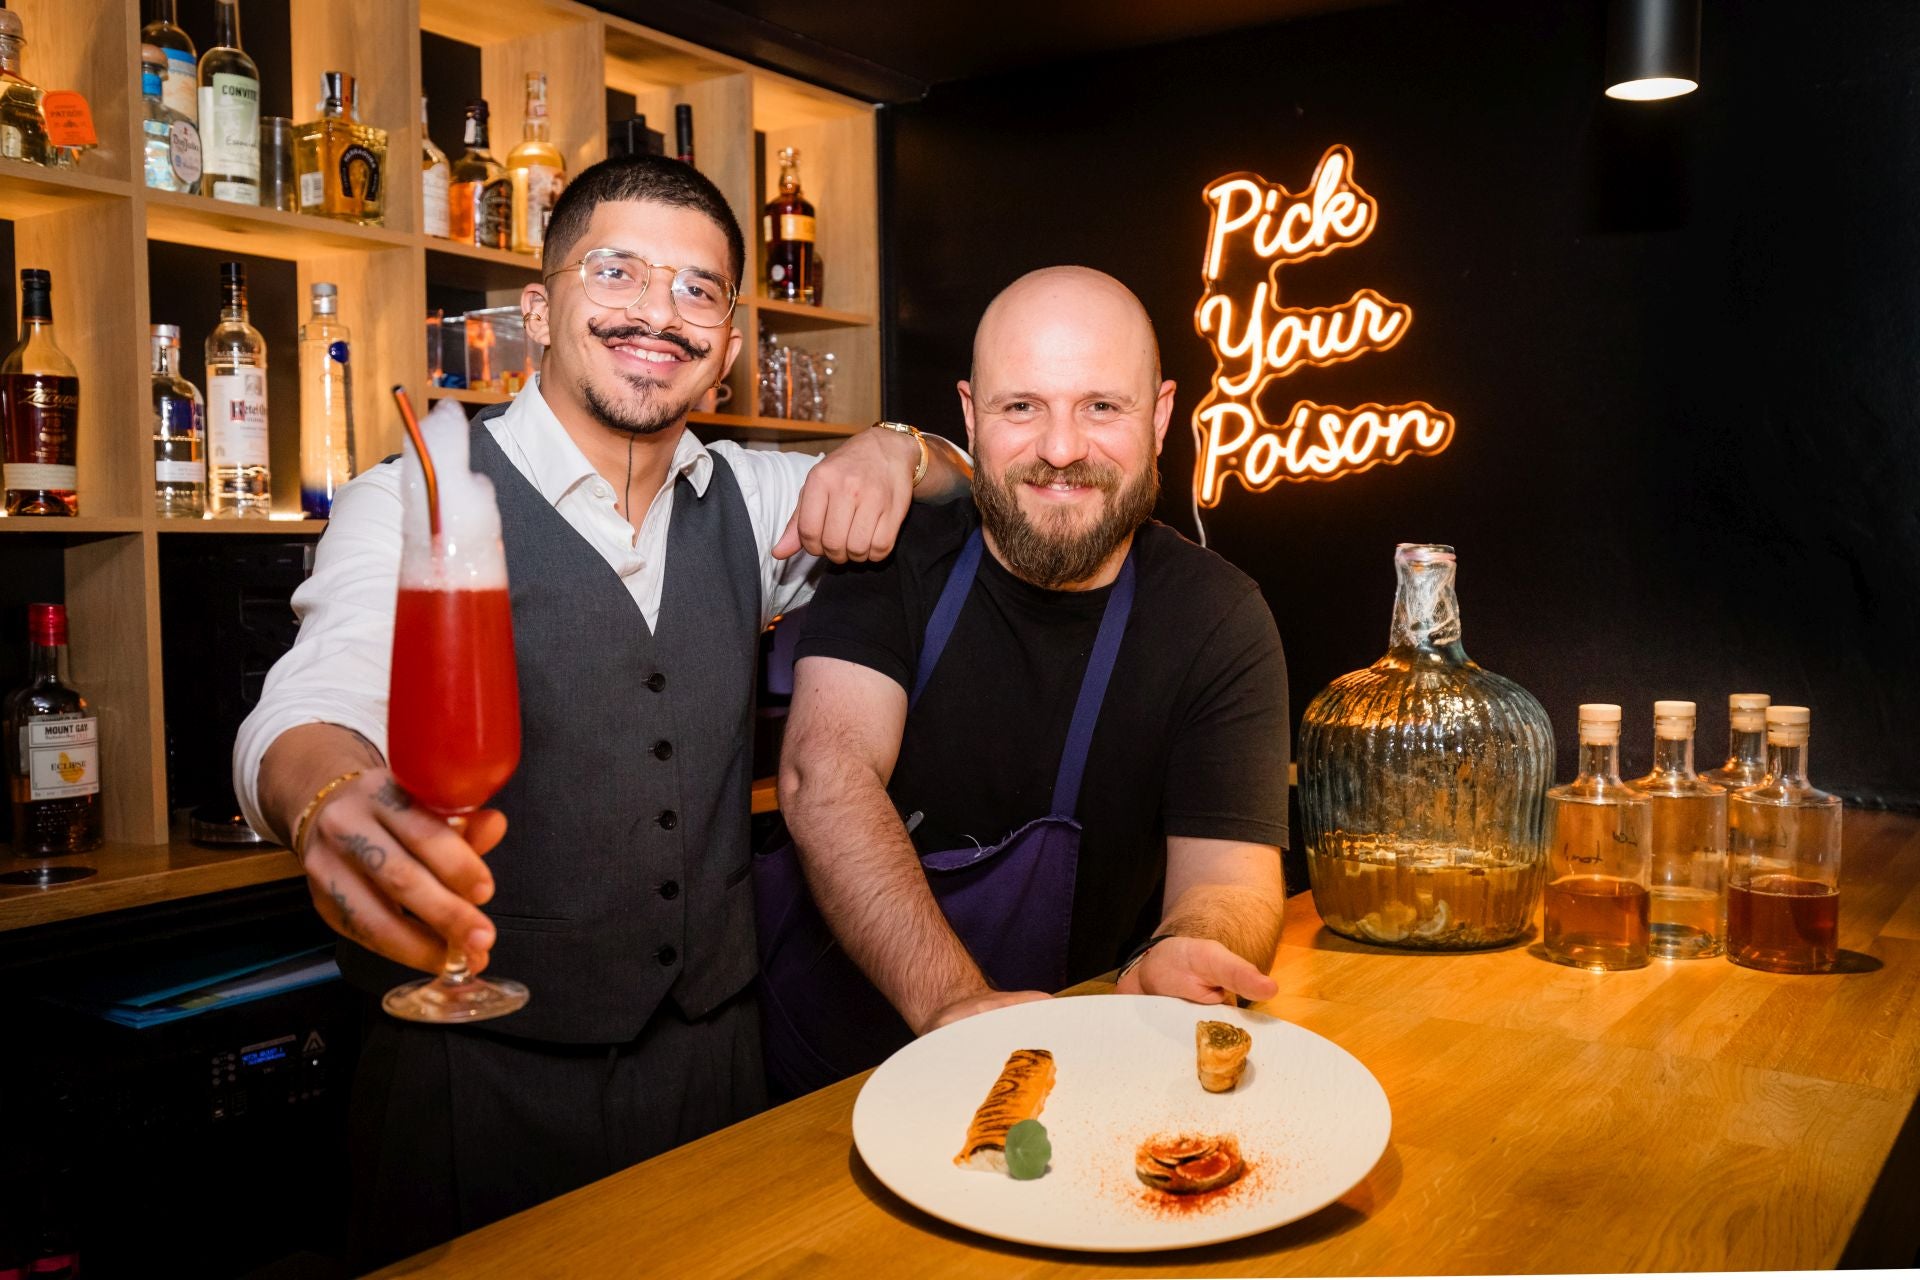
{"points": [[180, 84], [1422, 780], [1598, 843], [341, 163], [179, 433], [480, 196], [40, 408], [1783, 866], [1746, 764], [538, 171], [1686, 877], [172, 143], [435, 174], [787, 230], [239, 482], [23, 122], [229, 113], [52, 745], [326, 404]]}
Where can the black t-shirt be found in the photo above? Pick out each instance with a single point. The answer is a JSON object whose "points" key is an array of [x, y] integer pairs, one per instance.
{"points": [[1191, 740]]}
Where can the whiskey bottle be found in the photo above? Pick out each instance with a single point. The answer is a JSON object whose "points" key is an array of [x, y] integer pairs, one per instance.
{"points": [[1597, 841], [238, 480], [229, 113], [1746, 764], [538, 171], [341, 163], [172, 143], [683, 133], [480, 197], [434, 174], [1783, 869], [52, 748], [179, 433], [788, 231], [23, 122], [1686, 903], [40, 403], [180, 81], [326, 404]]}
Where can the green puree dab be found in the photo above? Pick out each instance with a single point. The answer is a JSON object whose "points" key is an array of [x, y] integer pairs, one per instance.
{"points": [[1028, 1150]]}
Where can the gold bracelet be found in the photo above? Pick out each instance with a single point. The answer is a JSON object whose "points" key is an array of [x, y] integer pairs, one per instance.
{"points": [[308, 814], [902, 428]]}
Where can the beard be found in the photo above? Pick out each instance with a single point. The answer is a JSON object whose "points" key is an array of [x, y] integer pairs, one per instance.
{"points": [[1050, 552], [651, 410]]}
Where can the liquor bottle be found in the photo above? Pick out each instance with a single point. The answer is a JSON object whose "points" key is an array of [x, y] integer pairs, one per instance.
{"points": [[326, 404], [683, 133], [40, 403], [52, 748], [1746, 764], [434, 175], [480, 197], [229, 113], [181, 79], [341, 163], [171, 140], [23, 122], [1783, 870], [538, 172], [1688, 863], [238, 480], [1597, 844], [788, 230], [179, 433]]}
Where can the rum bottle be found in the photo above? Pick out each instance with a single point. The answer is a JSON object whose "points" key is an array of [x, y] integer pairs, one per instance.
{"points": [[179, 433], [238, 480], [435, 171], [229, 113], [1783, 869], [326, 404], [1746, 764], [1688, 865], [1597, 863], [180, 76], [40, 404], [341, 163], [537, 171], [52, 748], [788, 232], [480, 197]]}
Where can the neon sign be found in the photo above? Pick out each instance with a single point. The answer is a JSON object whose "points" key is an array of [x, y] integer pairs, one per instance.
{"points": [[1265, 341]]}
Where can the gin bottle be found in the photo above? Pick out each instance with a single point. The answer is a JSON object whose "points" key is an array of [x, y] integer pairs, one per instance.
{"points": [[1783, 867], [179, 433], [1597, 863], [229, 113], [1689, 829], [326, 404], [239, 483], [1746, 764]]}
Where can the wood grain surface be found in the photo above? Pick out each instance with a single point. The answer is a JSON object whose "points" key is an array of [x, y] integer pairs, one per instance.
{"points": [[135, 875], [1686, 1116]]}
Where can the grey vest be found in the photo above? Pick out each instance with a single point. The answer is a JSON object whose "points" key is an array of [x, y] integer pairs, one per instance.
{"points": [[623, 878]]}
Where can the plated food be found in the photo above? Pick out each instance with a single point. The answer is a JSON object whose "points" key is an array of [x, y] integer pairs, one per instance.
{"points": [[1222, 1049], [1019, 1094], [1188, 1163]]}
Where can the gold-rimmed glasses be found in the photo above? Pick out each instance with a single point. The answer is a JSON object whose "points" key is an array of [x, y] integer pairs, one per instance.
{"points": [[617, 280]]}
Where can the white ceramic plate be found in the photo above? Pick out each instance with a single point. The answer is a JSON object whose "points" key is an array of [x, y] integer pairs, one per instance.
{"points": [[1310, 1119]]}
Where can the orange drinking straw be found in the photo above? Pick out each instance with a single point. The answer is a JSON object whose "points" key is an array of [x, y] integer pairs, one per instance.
{"points": [[426, 462]]}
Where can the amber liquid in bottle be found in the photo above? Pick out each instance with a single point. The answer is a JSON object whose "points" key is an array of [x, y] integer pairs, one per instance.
{"points": [[1783, 872], [787, 229], [52, 752], [480, 196], [1596, 903], [1689, 829], [40, 402]]}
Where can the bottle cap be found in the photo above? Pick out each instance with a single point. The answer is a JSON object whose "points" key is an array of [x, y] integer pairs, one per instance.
{"points": [[170, 332], [1787, 715], [1748, 711], [1673, 708], [35, 277], [10, 28], [1673, 719], [233, 273], [336, 93], [1787, 726], [47, 624], [1599, 722], [477, 108]]}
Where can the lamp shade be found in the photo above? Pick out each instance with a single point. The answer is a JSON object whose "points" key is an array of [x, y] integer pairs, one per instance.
{"points": [[1653, 48]]}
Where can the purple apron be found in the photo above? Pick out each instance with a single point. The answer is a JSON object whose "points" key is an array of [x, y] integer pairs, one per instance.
{"points": [[1011, 903]]}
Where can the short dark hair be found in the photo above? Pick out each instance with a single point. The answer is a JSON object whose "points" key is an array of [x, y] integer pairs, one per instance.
{"points": [[656, 178]]}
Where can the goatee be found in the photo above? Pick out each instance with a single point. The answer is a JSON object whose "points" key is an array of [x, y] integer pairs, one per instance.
{"points": [[1049, 552]]}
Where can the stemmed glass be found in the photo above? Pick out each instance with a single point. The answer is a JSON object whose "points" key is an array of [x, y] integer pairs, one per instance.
{"points": [[453, 711]]}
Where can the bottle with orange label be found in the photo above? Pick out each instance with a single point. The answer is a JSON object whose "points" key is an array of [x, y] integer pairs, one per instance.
{"points": [[788, 232], [52, 749]]}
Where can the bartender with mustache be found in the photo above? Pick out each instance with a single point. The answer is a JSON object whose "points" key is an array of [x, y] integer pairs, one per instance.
{"points": [[644, 564]]}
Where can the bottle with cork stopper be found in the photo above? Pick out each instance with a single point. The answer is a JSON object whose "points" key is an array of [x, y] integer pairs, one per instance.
{"points": [[1746, 764], [1598, 843], [1688, 858], [1783, 864]]}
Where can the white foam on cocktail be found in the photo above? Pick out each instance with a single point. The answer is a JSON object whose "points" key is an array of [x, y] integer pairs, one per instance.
{"points": [[470, 556]]}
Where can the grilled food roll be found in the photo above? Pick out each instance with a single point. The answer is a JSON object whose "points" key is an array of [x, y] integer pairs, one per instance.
{"points": [[1223, 1054], [1019, 1094]]}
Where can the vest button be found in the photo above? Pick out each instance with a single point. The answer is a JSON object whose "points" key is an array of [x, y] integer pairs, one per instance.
{"points": [[656, 682], [668, 819], [666, 956], [670, 890], [663, 750]]}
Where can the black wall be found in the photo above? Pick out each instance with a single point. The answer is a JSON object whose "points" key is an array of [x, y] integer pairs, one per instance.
{"points": [[1681, 340]]}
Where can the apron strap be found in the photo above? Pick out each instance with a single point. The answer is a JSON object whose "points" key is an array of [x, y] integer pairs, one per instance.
{"points": [[1093, 691], [946, 613]]}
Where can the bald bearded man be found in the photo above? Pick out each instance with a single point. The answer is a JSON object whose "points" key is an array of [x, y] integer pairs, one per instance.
{"points": [[1046, 738]]}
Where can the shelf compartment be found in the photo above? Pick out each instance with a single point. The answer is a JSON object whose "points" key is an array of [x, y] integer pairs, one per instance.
{"points": [[136, 875], [269, 233], [70, 527], [464, 266], [28, 190], [797, 317], [277, 527], [738, 426]]}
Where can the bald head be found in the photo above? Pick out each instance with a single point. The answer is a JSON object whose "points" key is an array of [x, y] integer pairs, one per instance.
{"points": [[1070, 316]]}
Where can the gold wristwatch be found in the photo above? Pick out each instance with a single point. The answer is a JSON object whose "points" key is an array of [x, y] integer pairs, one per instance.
{"points": [[905, 429]]}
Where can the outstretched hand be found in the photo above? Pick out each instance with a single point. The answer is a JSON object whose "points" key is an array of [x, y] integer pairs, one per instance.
{"points": [[1196, 969]]}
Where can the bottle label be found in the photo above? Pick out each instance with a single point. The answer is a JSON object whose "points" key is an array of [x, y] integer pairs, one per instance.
{"points": [[238, 192], [237, 418], [434, 187], [62, 755], [359, 174], [796, 226], [312, 190], [230, 127], [183, 140], [179, 472], [36, 477], [42, 415], [493, 215], [179, 90], [543, 188], [12, 142]]}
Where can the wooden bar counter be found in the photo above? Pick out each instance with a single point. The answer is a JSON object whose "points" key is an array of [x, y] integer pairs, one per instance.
{"points": [[1691, 1116]]}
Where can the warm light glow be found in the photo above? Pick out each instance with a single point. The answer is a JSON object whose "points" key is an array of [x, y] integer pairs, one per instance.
{"points": [[1651, 90], [1264, 341]]}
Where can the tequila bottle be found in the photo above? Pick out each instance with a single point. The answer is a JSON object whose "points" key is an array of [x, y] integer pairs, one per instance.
{"points": [[1746, 764], [180, 83], [172, 143], [1597, 863], [239, 482], [538, 171], [435, 173], [1783, 867], [23, 123], [326, 404], [480, 197], [341, 163], [179, 433], [229, 113], [1686, 877], [787, 228], [40, 405]]}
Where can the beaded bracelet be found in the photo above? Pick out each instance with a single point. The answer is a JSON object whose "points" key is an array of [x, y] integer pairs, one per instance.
{"points": [[307, 815]]}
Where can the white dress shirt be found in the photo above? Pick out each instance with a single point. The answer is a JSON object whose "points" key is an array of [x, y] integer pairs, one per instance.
{"points": [[337, 670]]}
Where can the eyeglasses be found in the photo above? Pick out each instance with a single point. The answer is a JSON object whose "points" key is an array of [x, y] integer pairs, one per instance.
{"points": [[616, 279]]}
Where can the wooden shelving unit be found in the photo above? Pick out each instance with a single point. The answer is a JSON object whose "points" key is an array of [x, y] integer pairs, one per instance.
{"points": [[94, 227]]}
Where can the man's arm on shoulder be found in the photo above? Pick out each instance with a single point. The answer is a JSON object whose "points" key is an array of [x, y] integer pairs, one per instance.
{"points": [[851, 504], [842, 740], [1220, 924]]}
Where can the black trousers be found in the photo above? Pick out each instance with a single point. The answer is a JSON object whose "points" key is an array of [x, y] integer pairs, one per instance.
{"points": [[453, 1128]]}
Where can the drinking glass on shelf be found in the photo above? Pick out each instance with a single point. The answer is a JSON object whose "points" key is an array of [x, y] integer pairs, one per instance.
{"points": [[278, 189], [453, 711]]}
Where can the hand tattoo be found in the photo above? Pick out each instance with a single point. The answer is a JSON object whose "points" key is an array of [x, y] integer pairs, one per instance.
{"points": [[347, 923], [370, 855], [393, 796]]}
